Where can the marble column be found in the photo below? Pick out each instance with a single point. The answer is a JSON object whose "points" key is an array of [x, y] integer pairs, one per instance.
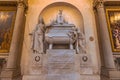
{"points": [[15, 44], [16, 36], [104, 36], [98, 36]]}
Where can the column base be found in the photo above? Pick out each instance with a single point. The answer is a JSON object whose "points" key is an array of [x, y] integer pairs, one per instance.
{"points": [[10, 74], [104, 73], [114, 75], [109, 74]]}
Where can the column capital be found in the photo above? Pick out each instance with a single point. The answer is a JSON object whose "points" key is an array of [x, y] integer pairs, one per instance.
{"points": [[22, 3], [98, 3]]}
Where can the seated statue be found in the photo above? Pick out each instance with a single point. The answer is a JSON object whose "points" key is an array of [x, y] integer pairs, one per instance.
{"points": [[60, 19]]}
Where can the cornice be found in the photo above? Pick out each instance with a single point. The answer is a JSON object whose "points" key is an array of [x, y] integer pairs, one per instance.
{"points": [[13, 2], [106, 2], [112, 2], [8, 3], [25, 2]]}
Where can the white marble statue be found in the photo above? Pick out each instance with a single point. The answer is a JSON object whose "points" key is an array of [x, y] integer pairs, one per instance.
{"points": [[79, 38], [60, 18], [38, 36], [80, 44]]}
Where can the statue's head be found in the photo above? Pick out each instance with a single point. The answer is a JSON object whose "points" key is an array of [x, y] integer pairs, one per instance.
{"points": [[40, 20], [60, 12]]}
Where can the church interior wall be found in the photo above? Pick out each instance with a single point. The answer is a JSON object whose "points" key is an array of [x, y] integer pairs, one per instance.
{"points": [[78, 12], [34, 10]]}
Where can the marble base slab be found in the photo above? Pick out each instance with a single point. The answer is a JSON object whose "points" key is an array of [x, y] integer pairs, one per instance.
{"points": [[61, 64], [33, 77], [89, 77], [36, 64], [61, 77], [61, 59]]}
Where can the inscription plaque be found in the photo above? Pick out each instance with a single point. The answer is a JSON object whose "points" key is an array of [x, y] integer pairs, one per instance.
{"points": [[61, 64]]}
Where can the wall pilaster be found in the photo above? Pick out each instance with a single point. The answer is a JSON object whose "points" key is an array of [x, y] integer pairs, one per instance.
{"points": [[104, 36]]}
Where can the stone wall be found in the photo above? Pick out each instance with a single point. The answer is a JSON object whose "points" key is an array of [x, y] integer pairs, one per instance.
{"points": [[88, 23]]}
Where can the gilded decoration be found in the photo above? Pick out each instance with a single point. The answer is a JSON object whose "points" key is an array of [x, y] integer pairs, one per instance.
{"points": [[7, 19], [113, 19]]}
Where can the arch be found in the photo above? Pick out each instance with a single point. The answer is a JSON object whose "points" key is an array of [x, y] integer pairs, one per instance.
{"points": [[72, 14], [60, 3]]}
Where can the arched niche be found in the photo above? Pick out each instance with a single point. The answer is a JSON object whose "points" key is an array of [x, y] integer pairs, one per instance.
{"points": [[71, 13]]}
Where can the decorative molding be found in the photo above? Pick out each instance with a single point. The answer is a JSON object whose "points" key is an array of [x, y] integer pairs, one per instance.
{"points": [[14, 3], [8, 3], [22, 3], [4, 54], [25, 2]]}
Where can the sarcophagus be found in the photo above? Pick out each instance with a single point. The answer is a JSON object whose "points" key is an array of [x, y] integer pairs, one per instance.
{"points": [[58, 34]]}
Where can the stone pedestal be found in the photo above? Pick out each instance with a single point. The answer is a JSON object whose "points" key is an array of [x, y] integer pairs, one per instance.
{"points": [[61, 65], [36, 64], [87, 71], [36, 67], [56, 65]]}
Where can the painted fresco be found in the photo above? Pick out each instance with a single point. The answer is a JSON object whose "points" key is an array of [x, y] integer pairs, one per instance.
{"points": [[113, 18], [6, 29]]}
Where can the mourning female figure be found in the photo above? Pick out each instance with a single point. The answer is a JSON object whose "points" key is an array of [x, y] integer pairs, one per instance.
{"points": [[38, 37], [80, 42], [77, 36]]}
